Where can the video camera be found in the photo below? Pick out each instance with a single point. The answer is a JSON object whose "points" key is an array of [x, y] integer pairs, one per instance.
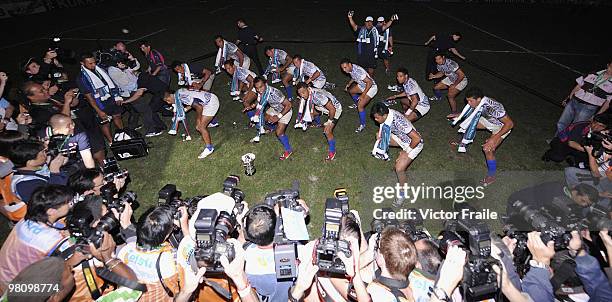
{"points": [[329, 246], [285, 250], [595, 140], [112, 170], [286, 198], [479, 279], [58, 144]]}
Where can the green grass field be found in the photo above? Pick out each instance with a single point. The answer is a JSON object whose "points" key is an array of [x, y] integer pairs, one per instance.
{"points": [[190, 28]]}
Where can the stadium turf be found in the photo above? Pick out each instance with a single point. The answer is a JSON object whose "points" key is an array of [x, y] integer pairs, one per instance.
{"points": [[185, 30]]}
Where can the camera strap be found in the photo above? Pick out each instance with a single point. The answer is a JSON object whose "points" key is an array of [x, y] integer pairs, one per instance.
{"points": [[160, 277], [393, 285], [109, 276], [90, 280]]}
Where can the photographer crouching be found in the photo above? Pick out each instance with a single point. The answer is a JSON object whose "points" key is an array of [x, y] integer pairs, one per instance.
{"points": [[568, 144], [598, 173]]}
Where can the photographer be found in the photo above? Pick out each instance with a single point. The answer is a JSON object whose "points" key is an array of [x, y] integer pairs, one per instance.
{"points": [[33, 170], [340, 288], [36, 236], [595, 283], [89, 212], [10, 205], [396, 258], [543, 196], [41, 106], [63, 125], [569, 143], [259, 228], [90, 181], [151, 257], [423, 276], [597, 174]]}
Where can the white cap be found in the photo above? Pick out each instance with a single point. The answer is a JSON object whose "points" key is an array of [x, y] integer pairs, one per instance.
{"points": [[381, 19], [369, 19]]}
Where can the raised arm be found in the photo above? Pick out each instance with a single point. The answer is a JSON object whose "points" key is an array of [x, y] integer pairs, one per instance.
{"points": [[351, 21]]}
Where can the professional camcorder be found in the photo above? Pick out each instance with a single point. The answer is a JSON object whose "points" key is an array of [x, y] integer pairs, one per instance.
{"points": [[329, 246]]}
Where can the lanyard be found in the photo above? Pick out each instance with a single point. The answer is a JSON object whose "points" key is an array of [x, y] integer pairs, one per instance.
{"points": [[599, 80]]}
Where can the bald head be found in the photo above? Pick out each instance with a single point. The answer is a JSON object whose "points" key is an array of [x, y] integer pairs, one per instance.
{"points": [[61, 124]]}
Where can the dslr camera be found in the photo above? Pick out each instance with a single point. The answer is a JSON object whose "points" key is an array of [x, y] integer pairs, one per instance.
{"points": [[58, 144], [542, 221], [595, 140], [112, 170], [479, 279], [108, 192], [329, 246], [213, 228], [79, 225], [413, 228]]}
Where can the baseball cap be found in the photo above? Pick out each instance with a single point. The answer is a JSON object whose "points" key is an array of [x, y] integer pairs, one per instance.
{"points": [[369, 19], [381, 19]]}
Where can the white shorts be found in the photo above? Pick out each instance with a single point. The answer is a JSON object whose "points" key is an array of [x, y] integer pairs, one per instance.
{"points": [[412, 153], [246, 62], [318, 83], [212, 107], [326, 112], [285, 119], [372, 92], [290, 69], [422, 110], [494, 128], [460, 86]]}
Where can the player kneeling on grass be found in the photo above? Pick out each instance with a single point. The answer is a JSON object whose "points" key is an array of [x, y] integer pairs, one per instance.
{"points": [[483, 112], [206, 106], [326, 103], [396, 130], [279, 113], [361, 87], [413, 100]]}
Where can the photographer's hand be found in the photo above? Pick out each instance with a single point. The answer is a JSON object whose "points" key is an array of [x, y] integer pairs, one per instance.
{"points": [[56, 163], [125, 217], [235, 270], [541, 252], [302, 203], [192, 281], [607, 240], [119, 182], [105, 252], [575, 245], [510, 243], [451, 271], [306, 273], [184, 221]]}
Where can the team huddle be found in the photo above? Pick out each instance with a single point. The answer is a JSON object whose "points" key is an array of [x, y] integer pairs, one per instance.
{"points": [[304, 85]]}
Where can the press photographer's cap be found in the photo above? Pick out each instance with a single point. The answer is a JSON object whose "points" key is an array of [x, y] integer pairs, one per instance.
{"points": [[381, 19], [369, 19]]}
